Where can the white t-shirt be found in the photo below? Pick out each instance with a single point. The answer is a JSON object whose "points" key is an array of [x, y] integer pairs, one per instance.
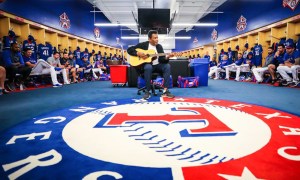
{"points": [[154, 62]]}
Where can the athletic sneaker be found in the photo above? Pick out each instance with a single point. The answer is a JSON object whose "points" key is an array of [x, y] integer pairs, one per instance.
{"points": [[57, 85], [286, 83], [294, 84], [146, 95], [167, 94], [11, 86]]}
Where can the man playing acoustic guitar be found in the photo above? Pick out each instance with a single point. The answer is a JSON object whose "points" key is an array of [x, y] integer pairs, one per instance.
{"points": [[159, 62]]}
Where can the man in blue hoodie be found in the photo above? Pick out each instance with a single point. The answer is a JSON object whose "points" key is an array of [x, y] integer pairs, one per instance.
{"points": [[14, 64]]}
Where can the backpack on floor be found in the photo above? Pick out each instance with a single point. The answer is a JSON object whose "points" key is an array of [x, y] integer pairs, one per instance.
{"points": [[187, 82]]}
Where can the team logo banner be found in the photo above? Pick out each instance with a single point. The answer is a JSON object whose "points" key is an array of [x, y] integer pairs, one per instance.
{"points": [[96, 33], [241, 24], [195, 41], [180, 138], [214, 35], [292, 4], [64, 21]]}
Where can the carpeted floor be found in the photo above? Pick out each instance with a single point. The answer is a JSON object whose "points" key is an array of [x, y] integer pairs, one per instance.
{"points": [[227, 130], [17, 107]]}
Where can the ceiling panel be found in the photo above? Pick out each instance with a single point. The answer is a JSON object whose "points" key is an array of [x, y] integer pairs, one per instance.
{"points": [[187, 11]]}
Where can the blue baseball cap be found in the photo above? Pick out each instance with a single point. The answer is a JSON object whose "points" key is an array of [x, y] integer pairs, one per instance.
{"points": [[11, 33], [237, 47], [246, 45], [30, 38], [289, 43], [250, 53]]}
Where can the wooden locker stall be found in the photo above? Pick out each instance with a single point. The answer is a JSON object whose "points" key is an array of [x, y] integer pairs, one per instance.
{"points": [[5, 26], [38, 34], [52, 38]]}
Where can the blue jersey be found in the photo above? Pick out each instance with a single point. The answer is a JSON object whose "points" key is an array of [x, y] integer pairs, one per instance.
{"points": [[7, 41], [44, 51], [207, 56], [77, 54], [29, 59], [224, 63], [245, 54], [291, 57], [85, 55], [31, 45], [98, 57], [258, 51], [221, 56], [248, 59], [239, 61], [212, 63], [10, 57], [257, 55]]}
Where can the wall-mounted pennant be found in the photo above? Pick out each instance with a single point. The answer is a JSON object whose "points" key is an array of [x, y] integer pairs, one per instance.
{"points": [[195, 41], [214, 35], [97, 33], [241, 24], [64, 21], [292, 4]]}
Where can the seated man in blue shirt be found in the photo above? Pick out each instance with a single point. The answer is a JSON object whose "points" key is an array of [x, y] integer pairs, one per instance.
{"points": [[234, 66], [278, 59], [14, 64], [259, 72], [216, 69], [290, 65]]}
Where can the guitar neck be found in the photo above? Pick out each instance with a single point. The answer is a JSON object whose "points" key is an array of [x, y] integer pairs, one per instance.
{"points": [[159, 54]]}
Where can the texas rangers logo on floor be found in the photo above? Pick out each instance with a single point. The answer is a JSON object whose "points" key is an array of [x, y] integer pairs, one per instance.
{"points": [[180, 138], [214, 35], [292, 4], [64, 21], [241, 24]]}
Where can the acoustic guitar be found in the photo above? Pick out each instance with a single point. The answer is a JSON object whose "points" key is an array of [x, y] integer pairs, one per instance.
{"points": [[136, 61]]}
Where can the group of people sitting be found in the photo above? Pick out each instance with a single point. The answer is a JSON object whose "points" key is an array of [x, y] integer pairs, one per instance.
{"points": [[23, 65], [285, 61]]}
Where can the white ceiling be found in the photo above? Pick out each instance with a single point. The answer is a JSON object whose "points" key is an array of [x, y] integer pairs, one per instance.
{"points": [[183, 11]]}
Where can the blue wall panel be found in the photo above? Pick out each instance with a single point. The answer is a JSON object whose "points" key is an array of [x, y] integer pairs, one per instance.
{"points": [[258, 14], [47, 12]]}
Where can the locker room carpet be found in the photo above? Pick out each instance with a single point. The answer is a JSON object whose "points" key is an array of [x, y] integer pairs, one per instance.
{"points": [[19, 111], [17, 107]]}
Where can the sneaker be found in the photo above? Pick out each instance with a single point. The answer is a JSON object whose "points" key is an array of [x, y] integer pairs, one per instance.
{"points": [[226, 79], [57, 85], [22, 87], [146, 95], [286, 83], [236, 79], [11, 86], [67, 83], [248, 79], [4, 91], [294, 84], [216, 78], [167, 94]]}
